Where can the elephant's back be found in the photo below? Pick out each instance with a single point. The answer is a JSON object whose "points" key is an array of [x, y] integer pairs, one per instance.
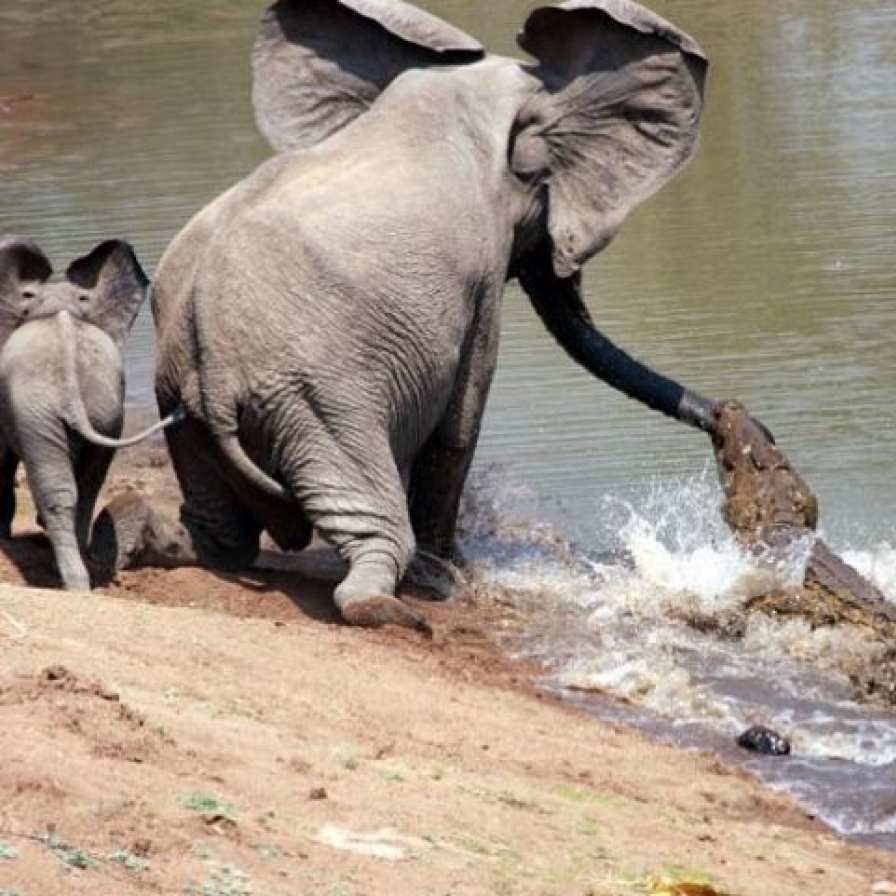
{"points": [[32, 354], [101, 376], [177, 267], [326, 275], [182, 265], [32, 373]]}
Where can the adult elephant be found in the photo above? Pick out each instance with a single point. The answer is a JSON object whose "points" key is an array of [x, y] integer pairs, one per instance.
{"points": [[331, 323]]}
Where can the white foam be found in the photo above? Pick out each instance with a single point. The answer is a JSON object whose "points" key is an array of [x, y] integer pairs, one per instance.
{"points": [[843, 650], [866, 742], [683, 552], [878, 565]]}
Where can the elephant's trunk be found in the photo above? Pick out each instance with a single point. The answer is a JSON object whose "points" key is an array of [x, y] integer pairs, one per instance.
{"points": [[559, 304]]}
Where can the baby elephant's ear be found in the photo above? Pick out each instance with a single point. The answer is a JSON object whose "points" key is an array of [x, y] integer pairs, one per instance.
{"points": [[23, 268], [115, 286]]}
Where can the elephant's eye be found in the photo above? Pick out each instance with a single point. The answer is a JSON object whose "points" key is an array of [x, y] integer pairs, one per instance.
{"points": [[83, 299], [28, 293]]}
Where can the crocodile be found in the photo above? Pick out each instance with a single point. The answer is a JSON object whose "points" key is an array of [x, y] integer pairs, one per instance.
{"points": [[769, 506]]}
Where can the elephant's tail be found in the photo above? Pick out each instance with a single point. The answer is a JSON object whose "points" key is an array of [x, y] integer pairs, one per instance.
{"points": [[219, 404], [75, 409], [232, 449]]}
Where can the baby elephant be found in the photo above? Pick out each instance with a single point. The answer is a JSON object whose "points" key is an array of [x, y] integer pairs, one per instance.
{"points": [[62, 385]]}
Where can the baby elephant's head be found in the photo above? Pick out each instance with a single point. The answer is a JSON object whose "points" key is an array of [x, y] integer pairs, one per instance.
{"points": [[104, 288]]}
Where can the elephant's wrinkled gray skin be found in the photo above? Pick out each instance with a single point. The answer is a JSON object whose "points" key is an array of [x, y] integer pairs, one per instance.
{"points": [[331, 323], [62, 385]]}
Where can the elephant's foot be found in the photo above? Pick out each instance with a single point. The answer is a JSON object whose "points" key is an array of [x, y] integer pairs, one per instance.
{"points": [[129, 533], [364, 599], [440, 578], [75, 581], [71, 567], [69, 562], [375, 612]]}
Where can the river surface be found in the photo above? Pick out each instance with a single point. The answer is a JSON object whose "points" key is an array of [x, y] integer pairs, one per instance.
{"points": [[766, 271]]}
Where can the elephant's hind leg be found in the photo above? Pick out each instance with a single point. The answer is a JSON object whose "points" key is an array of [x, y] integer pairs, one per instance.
{"points": [[90, 473], [223, 522], [356, 500], [223, 534], [55, 493]]}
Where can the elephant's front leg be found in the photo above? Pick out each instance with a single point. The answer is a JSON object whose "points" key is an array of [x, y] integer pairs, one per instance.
{"points": [[351, 491], [440, 469], [437, 483]]}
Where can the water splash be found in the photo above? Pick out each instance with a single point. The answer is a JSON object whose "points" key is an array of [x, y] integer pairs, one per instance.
{"points": [[683, 553], [654, 615], [878, 565]]}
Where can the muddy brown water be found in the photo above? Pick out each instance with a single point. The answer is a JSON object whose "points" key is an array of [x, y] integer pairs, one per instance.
{"points": [[765, 272]]}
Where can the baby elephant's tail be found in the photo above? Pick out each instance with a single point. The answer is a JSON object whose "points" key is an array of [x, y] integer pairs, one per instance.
{"points": [[76, 411]]}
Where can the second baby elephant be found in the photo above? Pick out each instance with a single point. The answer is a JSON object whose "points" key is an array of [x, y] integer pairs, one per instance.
{"points": [[62, 385]]}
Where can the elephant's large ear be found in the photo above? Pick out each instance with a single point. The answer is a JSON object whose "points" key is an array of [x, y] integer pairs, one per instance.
{"points": [[618, 115], [319, 64], [114, 286], [23, 268]]}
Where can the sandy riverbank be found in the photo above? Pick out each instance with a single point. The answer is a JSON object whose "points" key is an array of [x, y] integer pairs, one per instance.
{"points": [[231, 736]]}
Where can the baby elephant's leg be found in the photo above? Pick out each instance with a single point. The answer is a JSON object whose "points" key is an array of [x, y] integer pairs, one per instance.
{"points": [[90, 473], [55, 493]]}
